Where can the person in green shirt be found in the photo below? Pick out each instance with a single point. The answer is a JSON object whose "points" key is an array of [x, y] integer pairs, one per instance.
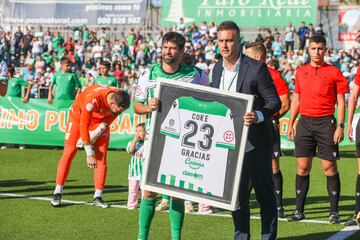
{"points": [[15, 84], [61, 50], [106, 79], [131, 40], [83, 80], [56, 40], [86, 36], [65, 83], [48, 57]]}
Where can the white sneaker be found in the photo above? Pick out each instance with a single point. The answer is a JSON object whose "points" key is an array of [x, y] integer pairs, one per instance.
{"points": [[163, 206], [100, 203], [56, 200]]}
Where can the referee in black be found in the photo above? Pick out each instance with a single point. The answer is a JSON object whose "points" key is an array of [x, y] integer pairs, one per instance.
{"points": [[318, 87]]}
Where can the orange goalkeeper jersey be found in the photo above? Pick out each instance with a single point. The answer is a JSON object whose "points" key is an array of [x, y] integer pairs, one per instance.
{"points": [[91, 108]]}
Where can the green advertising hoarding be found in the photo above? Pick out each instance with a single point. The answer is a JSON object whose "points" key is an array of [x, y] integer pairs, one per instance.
{"points": [[38, 123], [249, 13]]}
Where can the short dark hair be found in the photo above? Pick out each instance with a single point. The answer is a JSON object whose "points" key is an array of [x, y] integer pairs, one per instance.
{"points": [[229, 25], [175, 37], [141, 125], [11, 69], [256, 46], [122, 99], [274, 63], [317, 39], [107, 64], [64, 60]]}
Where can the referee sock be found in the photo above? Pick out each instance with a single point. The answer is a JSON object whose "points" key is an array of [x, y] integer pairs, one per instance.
{"points": [[147, 212], [357, 195], [302, 188], [333, 187], [176, 214], [278, 186]]}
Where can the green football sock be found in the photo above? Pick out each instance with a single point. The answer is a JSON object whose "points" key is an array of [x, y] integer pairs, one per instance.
{"points": [[176, 213], [167, 197], [147, 212]]}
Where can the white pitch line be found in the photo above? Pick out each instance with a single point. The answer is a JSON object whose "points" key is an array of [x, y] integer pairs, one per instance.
{"points": [[344, 233], [125, 207]]}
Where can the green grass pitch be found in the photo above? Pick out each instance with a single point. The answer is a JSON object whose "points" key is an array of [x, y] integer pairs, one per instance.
{"points": [[32, 172]]}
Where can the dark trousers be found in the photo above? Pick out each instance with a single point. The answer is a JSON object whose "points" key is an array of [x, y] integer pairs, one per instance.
{"points": [[256, 173], [289, 45], [302, 44]]}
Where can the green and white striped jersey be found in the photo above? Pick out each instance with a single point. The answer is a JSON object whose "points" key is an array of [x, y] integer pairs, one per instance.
{"points": [[136, 162], [147, 82], [199, 135]]}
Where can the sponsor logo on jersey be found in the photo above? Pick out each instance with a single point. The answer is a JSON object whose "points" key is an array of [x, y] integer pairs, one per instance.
{"points": [[228, 136], [194, 175], [193, 164]]}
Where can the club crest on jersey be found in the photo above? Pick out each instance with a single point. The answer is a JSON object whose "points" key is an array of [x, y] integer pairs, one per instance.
{"points": [[228, 136], [174, 104]]}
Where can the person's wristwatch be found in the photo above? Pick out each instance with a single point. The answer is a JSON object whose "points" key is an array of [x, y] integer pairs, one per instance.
{"points": [[340, 125]]}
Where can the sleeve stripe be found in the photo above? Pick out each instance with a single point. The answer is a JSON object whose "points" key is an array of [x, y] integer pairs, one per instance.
{"points": [[221, 145], [170, 134]]}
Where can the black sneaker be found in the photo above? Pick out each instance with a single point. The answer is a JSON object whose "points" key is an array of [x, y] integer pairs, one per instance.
{"points": [[297, 216], [100, 203], [280, 213], [334, 218], [351, 221], [56, 200]]}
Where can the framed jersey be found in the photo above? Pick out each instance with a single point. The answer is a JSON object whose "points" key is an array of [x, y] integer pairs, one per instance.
{"points": [[196, 143]]}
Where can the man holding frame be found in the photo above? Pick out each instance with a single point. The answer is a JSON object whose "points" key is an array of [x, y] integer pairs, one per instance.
{"points": [[145, 103]]}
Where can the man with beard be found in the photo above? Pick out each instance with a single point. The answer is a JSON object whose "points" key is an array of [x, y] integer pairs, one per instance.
{"points": [[172, 51], [90, 116]]}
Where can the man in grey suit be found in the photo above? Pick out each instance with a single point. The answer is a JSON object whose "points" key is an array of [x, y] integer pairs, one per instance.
{"points": [[239, 73]]}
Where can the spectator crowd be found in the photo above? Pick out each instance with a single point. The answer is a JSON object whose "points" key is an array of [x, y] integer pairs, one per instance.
{"points": [[36, 55]]}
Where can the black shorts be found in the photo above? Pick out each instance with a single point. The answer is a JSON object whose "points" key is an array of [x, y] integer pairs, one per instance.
{"points": [[277, 141], [357, 140], [312, 132]]}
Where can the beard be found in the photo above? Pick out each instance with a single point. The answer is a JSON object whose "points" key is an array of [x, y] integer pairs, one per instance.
{"points": [[169, 59]]}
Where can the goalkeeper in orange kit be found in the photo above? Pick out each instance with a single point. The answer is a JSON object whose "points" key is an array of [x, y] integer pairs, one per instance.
{"points": [[90, 115]]}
